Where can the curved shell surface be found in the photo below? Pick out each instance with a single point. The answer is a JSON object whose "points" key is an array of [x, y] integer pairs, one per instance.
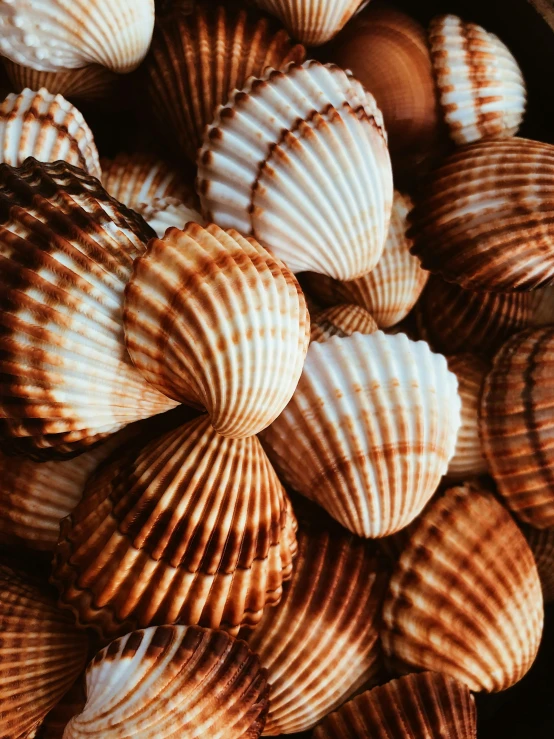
{"points": [[164, 213], [341, 320], [542, 546]]}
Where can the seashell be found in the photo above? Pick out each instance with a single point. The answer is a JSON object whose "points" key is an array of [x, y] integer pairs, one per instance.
{"points": [[484, 219], [465, 597], [46, 127], [542, 546], [212, 319], [164, 213], [314, 182], [189, 527], [415, 706], [197, 60], [342, 320], [319, 645], [374, 421], [70, 705], [480, 86], [64, 34], [516, 425], [41, 653], [66, 253], [171, 681]]}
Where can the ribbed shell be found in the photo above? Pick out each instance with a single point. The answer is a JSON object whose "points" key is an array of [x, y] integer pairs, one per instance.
{"points": [[465, 597], [46, 127], [41, 653], [517, 425], [484, 219], [197, 60], [419, 706], [542, 546], [66, 252], [374, 422], [173, 682], [342, 320], [63, 34], [191, 528], [480, 86], [211, 318], [164, 213], [70, 705], [299, 160], [319, 645]]}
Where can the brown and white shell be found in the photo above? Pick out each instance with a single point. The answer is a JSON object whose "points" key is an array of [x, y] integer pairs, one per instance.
{"points": [[173, 681], [465, 597], [542, 546], [164, 213], [341, 320]]}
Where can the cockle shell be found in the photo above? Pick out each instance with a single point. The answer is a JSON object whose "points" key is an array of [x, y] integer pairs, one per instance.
{"points": [[542, 546], [484, 219], [41, 653], [299, 160], [319, 645], [197, 60], [421, 705], [465, 597], [190, 527], [211, 318], [480, 86], [517, 422], [164, 213], [374, 421], [173, 681], [46, 127], [63, 34], [66, 253], [341, 320]]}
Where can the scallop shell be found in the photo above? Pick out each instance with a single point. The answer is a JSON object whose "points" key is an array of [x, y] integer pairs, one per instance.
{"points": [[465, 597], [46, 127], [374, 421], [480, 86], [299, 160], [190, 527], [164, 213], [213, 319], [542, 546], [484, 220], [415, 706], [342, 320], [66, 253], [517, 422], [173, 681], [41, 653], [197, 60], [64, 34], [319, 645]]}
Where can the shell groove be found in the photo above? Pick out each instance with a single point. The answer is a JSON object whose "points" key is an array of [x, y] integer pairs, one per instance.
{"points": [[164, 213], [542, 546], [341, 320]]}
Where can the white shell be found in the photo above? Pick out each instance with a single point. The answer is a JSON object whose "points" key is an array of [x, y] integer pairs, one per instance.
{"points": [[164, 213]]}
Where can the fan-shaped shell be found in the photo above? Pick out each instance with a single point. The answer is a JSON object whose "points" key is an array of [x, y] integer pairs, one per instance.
{"points": [[197, 60], [300, 161], [480, 86], [164, 213], [465, 597], [415, 706], [542, 546], [41, 653], [66, 253], [341, 320], [374, 421], [46, 127], [173, 681], [190, 527], [484, 219], [63, 34], [517, 422], [319, 645]]}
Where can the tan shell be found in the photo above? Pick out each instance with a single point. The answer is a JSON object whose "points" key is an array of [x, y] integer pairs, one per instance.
{"points": [[70, 705], [465, 597], [197, 60], [342, 320], [542, 546], [66, 253], [319, 645], [484, 219], [173, 681], [164, 213], [41, 653], [46, 127], [517, 420], [426, 705]]}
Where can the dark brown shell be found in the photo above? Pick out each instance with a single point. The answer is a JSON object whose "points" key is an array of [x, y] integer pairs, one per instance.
{"points": [[542, 546], [70, 705]]}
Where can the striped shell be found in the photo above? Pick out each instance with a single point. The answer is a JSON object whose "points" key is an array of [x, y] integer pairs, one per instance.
{"points": [[542, 546], [480, 86], [299, 160], [374, 421], [517, 423], [46, 127], [421, 705], [173, 681], [465, 597], [341, 320], [164, 213], [484, 219]]}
